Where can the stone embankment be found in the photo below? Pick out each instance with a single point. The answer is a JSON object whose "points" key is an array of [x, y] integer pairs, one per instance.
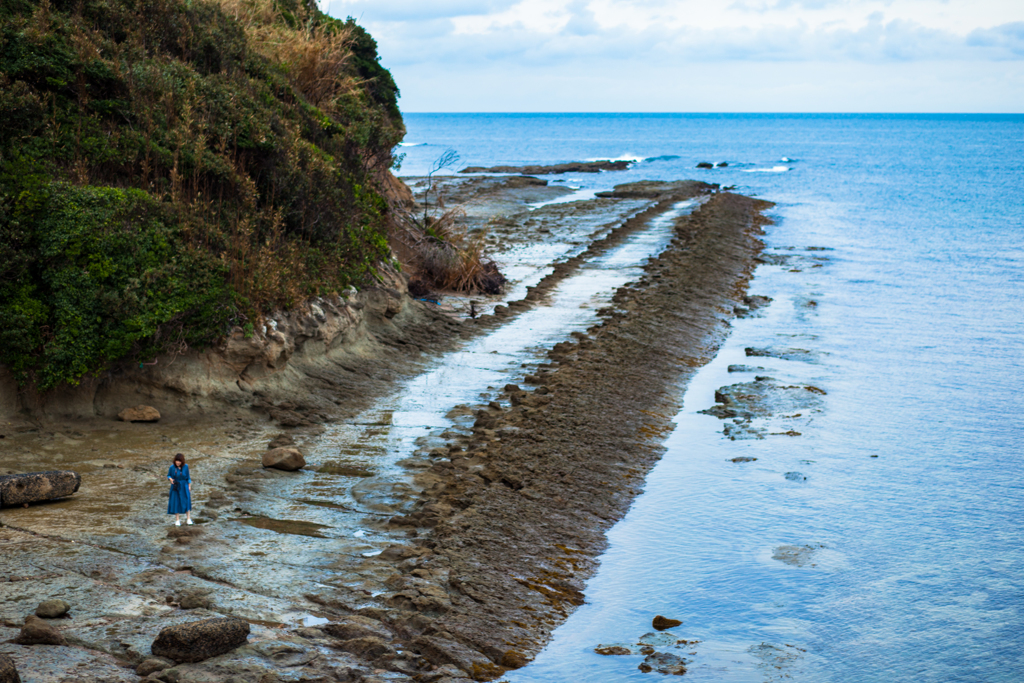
{"points": [[517, 511]]}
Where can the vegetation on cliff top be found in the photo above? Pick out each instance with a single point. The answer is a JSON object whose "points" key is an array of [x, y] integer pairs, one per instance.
{"points": [[172, 168]]}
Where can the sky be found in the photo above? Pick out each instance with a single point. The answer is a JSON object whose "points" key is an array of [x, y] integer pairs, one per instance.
{"points": [[699, 55]]}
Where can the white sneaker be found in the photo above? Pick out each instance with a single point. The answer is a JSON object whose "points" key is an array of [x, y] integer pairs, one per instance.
{"points": [[177, 522], [190, 522]]}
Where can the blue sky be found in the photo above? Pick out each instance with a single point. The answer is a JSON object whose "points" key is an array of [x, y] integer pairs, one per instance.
{"points": [[700, 55]]}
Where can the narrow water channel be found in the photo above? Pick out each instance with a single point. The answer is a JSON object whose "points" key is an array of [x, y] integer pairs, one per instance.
{"points": [[363, 466]]}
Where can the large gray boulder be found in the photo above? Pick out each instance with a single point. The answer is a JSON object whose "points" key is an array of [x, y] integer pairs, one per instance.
{"points": [[195, 641], [35, 487], [8, 672]]}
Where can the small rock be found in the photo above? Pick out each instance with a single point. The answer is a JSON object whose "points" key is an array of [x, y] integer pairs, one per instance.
{"points": [[139, 414], [705, 164], [287, 459], [52, 609], [612, 650], [661, 623], [281, 440], [8, 672], [38, 632], [664, 663], [795, 476], [743, 458], [152, 665], [194, 599], [195, 641]]}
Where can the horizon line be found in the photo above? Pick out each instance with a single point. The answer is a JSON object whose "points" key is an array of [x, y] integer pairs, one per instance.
{"points": [[724, 113]]}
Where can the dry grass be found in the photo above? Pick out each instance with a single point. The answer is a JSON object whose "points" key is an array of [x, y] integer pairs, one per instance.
{"points": [[315, 57], [445, 256]]}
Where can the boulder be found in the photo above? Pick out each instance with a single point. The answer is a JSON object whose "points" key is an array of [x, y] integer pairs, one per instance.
{"points": [[661, 623], [52, 609], [287, 459], [139, 414], [8, 672], [18, 489], [195, 641], [705, 164], [38, 632]]}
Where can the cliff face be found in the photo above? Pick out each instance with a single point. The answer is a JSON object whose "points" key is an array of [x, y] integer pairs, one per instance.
{"points": [[171, 170]]}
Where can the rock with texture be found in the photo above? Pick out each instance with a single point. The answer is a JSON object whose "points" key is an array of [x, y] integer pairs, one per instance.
{"points": [[52, 609], [152, 665], [664, 663], [356, 626], [139, 414], [8, 672], [444, 651], [35, 487], [369, 647], [195, 641], [661, 623], [288, 459], [38, 632]]}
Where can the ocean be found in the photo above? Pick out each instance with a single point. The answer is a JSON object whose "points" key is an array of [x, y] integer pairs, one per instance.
{"points": [[881, 539]]}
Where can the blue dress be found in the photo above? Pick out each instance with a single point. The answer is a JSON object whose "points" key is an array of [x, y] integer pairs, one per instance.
{"points": [[179, 500]]}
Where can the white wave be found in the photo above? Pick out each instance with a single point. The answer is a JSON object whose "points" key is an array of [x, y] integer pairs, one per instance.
{"points": [[632, 158], [773, 169], [785, 160], [412, 144]]}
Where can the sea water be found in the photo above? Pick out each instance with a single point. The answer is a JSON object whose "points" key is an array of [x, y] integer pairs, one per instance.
{"points": [[897, 265]]}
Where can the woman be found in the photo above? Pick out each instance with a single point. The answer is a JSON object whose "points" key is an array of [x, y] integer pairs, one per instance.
{"points": [[180, 498]]}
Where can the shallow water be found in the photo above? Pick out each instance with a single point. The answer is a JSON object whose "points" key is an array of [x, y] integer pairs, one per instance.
{"points": [[904, 567], [376, 446]]}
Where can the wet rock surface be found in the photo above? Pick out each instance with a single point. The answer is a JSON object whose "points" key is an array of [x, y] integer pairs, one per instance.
{"points": [[661, 623], [36, 487], [416, 574]]}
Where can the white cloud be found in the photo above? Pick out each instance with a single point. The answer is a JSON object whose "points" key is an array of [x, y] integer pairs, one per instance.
{"points": [[446, 40]]}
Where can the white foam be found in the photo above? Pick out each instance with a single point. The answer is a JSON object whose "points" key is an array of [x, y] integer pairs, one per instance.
{"points": [[411, 144], [773, 169]]}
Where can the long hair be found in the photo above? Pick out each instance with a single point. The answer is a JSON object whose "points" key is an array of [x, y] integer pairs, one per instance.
{"points": [[178, 457]]}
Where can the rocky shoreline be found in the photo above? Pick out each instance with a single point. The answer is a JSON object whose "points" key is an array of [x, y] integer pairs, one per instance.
{"points": [[495, 539]]}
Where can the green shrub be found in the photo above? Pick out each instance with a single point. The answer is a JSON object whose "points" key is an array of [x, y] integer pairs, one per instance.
{"points": [[170, 168]]}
